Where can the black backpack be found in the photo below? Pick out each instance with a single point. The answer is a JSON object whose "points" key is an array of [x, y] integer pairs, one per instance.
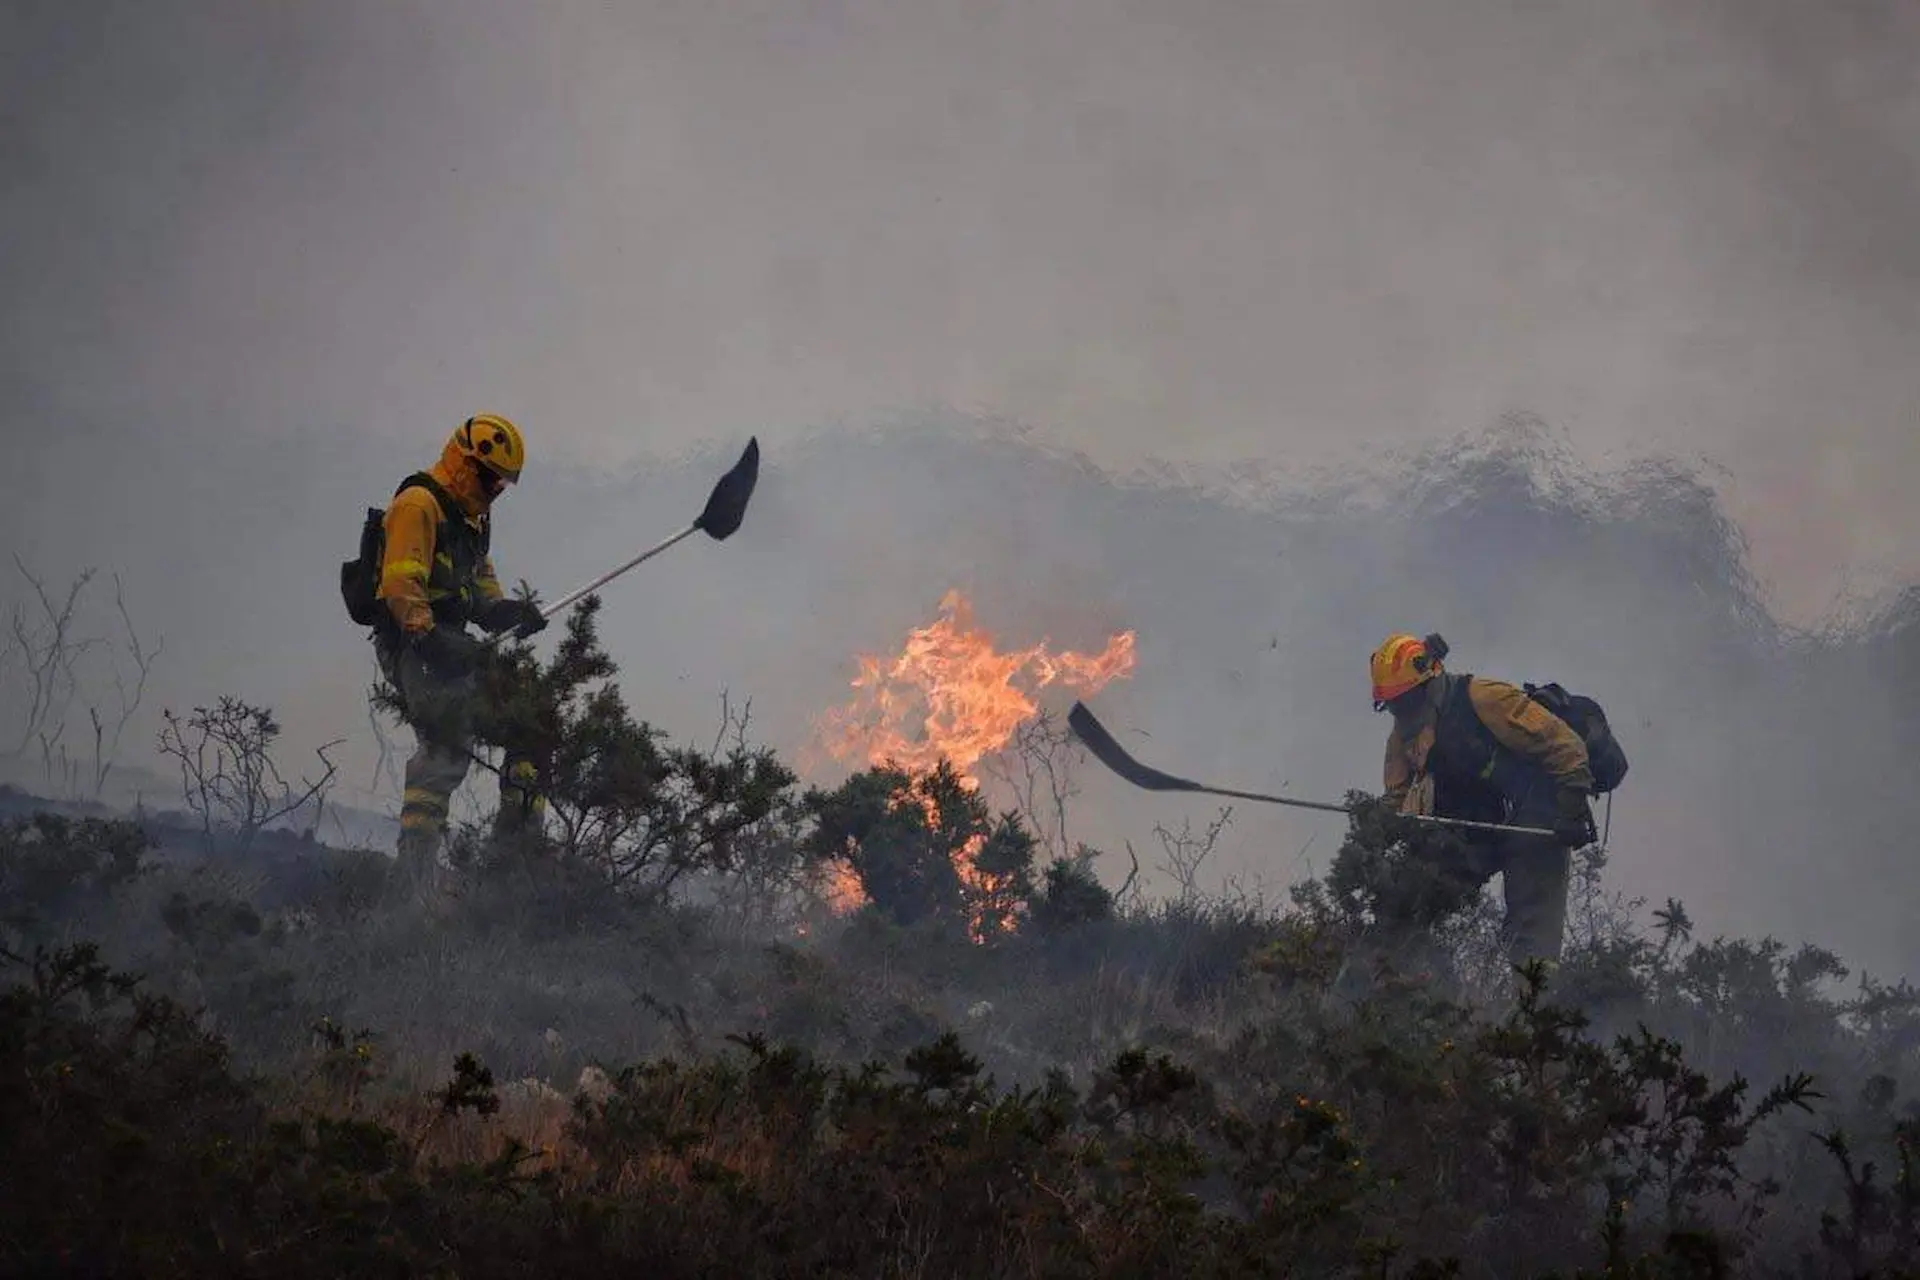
{"points": [[1584, 716], [360, 578]]}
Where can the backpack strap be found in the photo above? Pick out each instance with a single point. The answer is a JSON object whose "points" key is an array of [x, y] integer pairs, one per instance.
{"points": [[449, 505], [450, 509]]}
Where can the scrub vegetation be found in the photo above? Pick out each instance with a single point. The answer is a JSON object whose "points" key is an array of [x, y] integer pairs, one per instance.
{"points": [[656, 1039]]}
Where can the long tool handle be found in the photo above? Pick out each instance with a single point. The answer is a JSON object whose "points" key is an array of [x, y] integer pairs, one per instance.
{"points": [[1464, 825], [1461, 824], [719, 520], [574, 596], [1110, 753]]}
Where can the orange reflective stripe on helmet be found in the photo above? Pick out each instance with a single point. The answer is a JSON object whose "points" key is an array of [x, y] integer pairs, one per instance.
{"points": [[1401, 663]]}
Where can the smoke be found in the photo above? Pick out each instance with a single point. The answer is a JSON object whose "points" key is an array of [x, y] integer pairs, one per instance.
{"points": [[1199, 230], [1766, 789], [1768, 762], [252, 252]]}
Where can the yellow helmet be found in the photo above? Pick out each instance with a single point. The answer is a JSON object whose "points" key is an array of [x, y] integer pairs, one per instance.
{"points": [[1403, 663], [494, 443]]}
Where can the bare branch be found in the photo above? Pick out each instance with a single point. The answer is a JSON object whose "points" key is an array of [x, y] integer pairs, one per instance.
{"points": [[106, 749], [384, 766], [186, 743], [1129, 888], [313, 791], [228, 774], [1185, 850], [1036, 768], [102, 763], [49, 651], [10, 646], [731, 736], [63, 778]]}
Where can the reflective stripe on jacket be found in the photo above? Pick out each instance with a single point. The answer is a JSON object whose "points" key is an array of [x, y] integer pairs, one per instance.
{"points": [[436, 567]]}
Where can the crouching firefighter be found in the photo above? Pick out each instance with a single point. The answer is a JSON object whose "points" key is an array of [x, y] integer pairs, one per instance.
{"points": [[1465, 746], [435, 576]]}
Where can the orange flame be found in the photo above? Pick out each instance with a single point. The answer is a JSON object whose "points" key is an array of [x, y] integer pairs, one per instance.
{"points": [[951, 695], [961, 690], [841, 889]]}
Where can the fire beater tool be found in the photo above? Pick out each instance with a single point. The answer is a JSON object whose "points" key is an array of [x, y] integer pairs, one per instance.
{"points": [[726, 507], [1110, 753]]}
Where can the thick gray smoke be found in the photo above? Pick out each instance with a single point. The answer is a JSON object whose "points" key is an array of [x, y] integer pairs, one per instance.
{"points": [[1768, 787], [1176, 228], [254, 253]]}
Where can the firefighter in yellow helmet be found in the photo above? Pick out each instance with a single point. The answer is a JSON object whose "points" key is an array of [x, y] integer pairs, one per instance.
{"points": [[436, 576], [1465, 746]]}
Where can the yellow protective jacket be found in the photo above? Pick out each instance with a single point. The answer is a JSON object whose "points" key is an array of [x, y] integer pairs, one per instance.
{"points": [[434, 570], [1486, 748]]}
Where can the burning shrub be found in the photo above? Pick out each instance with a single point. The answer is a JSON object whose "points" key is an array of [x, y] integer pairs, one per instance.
{"points": [[926, 848], [923, 722], [902, 835]]}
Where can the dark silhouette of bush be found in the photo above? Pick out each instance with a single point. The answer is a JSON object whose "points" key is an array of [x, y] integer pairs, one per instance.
{"points": [[632, 814], [1207, 1087], [1070, 895], [1522, 1148], [50, 866]]}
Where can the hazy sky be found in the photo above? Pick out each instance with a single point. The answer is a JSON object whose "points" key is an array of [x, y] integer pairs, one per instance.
{"points": [[1195, 230]]}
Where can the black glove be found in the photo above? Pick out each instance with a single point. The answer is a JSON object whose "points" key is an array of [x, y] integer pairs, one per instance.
{"points": [[523, 617], [449, 651], [1573, 819]]}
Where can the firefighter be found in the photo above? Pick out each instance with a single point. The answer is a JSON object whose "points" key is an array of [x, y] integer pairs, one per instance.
{"points": [[436, 576], [1465, 746]]}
